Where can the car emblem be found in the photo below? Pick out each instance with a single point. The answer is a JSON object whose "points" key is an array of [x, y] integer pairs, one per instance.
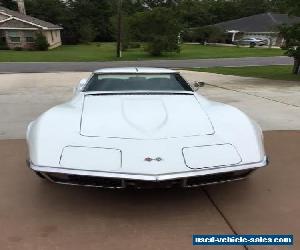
{"points": [[149, 159]]}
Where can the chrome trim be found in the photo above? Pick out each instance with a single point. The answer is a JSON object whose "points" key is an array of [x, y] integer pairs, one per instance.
{"points": [[150, 177], [123, 185], [217, 182]]}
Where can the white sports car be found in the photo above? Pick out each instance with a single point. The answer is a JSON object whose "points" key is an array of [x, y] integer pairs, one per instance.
{"points": [[143, 128]]}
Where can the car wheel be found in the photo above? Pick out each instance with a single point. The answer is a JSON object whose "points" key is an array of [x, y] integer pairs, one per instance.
{"points": [[252, 44]]}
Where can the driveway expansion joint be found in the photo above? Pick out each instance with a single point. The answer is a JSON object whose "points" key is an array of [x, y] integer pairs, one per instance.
{"points": [[226, 220]]}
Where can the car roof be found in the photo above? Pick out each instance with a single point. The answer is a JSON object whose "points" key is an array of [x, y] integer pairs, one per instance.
{"points": [[135, 70]]}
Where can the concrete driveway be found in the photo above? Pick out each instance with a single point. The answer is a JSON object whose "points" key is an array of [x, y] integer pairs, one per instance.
{"points": [[37, 215], [25, 96]]}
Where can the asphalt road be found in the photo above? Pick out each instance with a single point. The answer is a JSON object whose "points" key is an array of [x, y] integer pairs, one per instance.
{"points": [[91, 66], [35, 214]]}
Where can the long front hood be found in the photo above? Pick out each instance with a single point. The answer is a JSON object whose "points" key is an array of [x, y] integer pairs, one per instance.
{"points": [[143, 117]]}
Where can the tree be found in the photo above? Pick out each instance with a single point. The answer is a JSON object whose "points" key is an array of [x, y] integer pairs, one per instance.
{"points": [[294, 7], [97, 12], [86, 31], [72, 15], [159, 3], [204, 34], [194, 13], [10, 4], [160, 28], [292, 36], [53, 11]]}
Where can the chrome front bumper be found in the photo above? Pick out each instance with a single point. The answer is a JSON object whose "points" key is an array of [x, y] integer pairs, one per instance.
{"points": [[190, 178]]}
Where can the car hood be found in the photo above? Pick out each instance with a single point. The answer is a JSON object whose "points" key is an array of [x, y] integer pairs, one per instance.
{"points": [[143, 116]]}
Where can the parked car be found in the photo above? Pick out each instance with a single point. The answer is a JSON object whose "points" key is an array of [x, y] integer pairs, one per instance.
{"points": [[143, 128], [251, 41]]}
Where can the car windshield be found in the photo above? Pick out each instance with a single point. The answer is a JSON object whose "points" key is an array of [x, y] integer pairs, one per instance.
{"points": [[137, 82]]}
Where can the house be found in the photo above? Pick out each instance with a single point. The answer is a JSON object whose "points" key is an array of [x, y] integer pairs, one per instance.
{"points": [[264, 26], [18, 29]]}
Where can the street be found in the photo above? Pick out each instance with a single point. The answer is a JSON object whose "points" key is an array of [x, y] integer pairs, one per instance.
{"points": [[42, 67]]}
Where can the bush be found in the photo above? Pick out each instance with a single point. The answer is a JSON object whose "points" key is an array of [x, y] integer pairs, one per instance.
{"points": [[159, 28], [18, 48], [3, 45], [40, 42], [162, 44]]}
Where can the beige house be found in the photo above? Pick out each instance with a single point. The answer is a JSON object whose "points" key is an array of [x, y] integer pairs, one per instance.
{"points": [[19, 30]]}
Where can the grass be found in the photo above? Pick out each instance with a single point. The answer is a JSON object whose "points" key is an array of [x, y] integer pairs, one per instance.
{"points": [[269, 72], [106, 52]]}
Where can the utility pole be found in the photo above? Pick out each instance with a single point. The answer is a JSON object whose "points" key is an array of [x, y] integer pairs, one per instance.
{"points": [[120, 26]]}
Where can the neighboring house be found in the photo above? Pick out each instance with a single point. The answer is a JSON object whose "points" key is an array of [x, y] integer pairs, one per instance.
{"points": [[19, 30], [263, 26]]}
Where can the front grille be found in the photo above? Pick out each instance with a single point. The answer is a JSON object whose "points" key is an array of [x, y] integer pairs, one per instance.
{"points": [[140, 184], [216, 178], [86, 180], [153, 184]]}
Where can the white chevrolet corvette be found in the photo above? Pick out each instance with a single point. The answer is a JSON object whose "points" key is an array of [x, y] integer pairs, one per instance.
{"points": [[143, 128]]}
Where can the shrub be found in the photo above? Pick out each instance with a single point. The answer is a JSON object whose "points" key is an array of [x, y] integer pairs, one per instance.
{"points": [[159, 28], [161, 44], [18, 48], [3, 45], [40, 42]]}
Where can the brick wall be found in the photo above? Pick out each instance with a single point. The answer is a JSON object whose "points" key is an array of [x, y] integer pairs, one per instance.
{"points": [[23, 43], [53, 38]]}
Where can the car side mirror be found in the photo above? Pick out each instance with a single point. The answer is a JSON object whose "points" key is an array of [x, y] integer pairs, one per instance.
{"points": [[81, 85], [198, 85]]}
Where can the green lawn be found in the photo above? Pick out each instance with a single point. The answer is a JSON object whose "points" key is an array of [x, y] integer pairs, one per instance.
{"points": [[269, 72], [106, 52]]}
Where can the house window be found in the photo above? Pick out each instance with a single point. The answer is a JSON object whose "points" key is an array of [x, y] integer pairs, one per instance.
{"points": [[29, 36], [14, 36], [29, 39]]}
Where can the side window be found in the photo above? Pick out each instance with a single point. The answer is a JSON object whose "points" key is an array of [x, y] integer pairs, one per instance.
{"points": [[29, 36], [14, 36]]}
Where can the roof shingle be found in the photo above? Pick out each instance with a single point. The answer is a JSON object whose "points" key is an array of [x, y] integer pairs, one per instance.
{"points": [[29, 19], [266, 22]]}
